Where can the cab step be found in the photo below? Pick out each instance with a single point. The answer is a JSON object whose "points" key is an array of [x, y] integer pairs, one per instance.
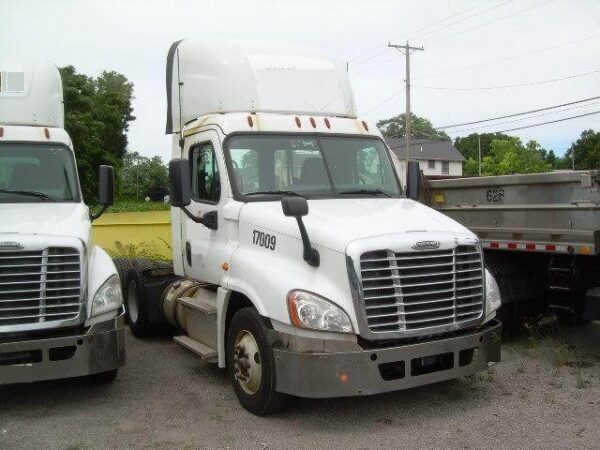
{"points": [[199, 304], [196, 347]]}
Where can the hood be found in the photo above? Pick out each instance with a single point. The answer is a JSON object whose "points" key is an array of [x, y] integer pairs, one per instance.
{"points": [[334, 223], [59, 219]]}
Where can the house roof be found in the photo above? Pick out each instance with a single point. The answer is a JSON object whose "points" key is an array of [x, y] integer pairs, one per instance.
{"points": [[425, 149]]}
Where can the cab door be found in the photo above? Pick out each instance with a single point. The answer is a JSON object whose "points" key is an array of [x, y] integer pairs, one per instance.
{"points": [[204, 248]]}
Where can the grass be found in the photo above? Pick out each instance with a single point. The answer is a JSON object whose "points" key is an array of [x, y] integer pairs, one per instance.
{"points": [[138, 250], [129, 205]]}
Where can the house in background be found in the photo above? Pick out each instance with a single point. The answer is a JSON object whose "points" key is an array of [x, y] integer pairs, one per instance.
{"points": [[438, 159]]}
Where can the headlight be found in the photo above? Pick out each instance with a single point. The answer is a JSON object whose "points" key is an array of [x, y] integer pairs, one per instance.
{"points": [[108, 297], [492, 298], [311, 311]]}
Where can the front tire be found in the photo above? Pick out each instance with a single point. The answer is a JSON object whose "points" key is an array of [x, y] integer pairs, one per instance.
{"points": [[136, 305], [251, 364], [104, 377]]}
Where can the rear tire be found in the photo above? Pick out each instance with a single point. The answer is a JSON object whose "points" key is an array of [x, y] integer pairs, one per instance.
{"points": [[104, 377], [136, 308], [251, 364]]}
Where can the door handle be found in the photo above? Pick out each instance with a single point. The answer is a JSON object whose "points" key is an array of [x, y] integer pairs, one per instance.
{"points": [[188, 253]]}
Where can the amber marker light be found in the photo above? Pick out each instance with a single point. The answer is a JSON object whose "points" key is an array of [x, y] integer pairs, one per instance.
{"points": [[585, 250], [293, 304]]}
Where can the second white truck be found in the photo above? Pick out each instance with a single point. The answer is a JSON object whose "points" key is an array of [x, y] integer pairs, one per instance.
{"points": [[61, 307], [303, 266]]}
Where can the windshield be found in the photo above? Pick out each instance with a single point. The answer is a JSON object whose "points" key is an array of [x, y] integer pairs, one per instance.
{"points": [[311, 166], [37, 173]]}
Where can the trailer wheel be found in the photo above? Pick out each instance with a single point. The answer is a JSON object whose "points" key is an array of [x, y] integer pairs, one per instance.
{"points": [[251, 364], [136, 309]]}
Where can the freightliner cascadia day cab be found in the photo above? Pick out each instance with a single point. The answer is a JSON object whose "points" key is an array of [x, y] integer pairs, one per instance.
{"points": [[61, 311], [304, 268]]}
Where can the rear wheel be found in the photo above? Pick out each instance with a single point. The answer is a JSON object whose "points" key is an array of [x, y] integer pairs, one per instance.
{"points": [[136, 305], [251, 364]]}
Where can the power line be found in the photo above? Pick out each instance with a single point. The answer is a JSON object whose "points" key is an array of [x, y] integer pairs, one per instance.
{"points": [[507, 58], [382, 103], [462, 19], [518, 114], [506, 86], [411, 33], [549, 122], [524, 118], [489, 23], [371, 57], [370, 50], [366, 52]]}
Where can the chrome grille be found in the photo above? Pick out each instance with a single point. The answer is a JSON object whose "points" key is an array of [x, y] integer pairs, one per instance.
{"points": [[39, 286], [421, 290]]}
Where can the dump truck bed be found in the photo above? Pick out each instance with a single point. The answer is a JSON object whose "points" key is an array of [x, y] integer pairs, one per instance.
{"points": [[547, 212]]}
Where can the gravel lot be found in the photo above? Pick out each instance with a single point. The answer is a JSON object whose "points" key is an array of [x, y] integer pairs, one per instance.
{"points": [[546, 394]]}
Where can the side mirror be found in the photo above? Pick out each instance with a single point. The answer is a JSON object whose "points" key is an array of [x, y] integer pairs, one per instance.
{"points": [[414, 181], [180, 181], [294, 206], [180, 194], [106, 194], [298, 207], [106, 190]]}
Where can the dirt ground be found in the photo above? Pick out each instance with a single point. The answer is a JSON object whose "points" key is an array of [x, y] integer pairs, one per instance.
{"points": [[545, 394]]}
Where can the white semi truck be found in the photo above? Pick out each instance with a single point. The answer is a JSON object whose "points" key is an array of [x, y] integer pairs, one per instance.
{"points": [[303, 267], [61, 311]]}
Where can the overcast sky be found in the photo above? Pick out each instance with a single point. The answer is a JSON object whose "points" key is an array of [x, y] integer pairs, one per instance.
{"points": [[132, 37]]}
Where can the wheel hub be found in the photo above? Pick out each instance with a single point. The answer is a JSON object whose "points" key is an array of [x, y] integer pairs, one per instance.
{"points": [[247, 363]]}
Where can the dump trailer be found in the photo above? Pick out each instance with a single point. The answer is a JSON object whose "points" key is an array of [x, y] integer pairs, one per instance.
{"points": [[541, 237], [299, 263], [61, 312]]}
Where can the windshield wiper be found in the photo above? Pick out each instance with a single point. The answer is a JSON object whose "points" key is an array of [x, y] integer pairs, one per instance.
{"points": [[41, 195], [274, 193], [366, 191]]}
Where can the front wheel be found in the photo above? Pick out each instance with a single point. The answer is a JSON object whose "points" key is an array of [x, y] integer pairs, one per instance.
{"points": [[104, 377], [251, 364]]}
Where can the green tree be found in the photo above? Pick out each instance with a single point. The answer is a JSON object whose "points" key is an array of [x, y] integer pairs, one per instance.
{"points": [[587, 151], [468, 146], [510, 156], [97, 115], [140, 174], [421, 128]]}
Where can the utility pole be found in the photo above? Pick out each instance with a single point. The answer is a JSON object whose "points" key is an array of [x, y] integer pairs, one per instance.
{"points": [[479, 145], [406, 50]]}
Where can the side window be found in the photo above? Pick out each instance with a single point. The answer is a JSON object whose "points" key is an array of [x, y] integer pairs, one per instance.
{"points": [[431, 164], [206, 185], [446, 167]]}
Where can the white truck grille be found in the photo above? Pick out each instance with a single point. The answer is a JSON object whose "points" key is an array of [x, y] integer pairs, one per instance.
{"points": [[421, 290], [39, 286]]}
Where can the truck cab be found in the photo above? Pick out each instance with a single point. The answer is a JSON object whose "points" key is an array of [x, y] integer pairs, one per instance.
{"points": [[61, 312], [305, 269]]}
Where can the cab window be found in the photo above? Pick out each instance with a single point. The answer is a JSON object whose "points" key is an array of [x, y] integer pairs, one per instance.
{"points": [[206, 185]]}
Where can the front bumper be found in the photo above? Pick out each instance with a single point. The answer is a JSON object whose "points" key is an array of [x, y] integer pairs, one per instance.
{"points": [[100, 349], [373, 371]]}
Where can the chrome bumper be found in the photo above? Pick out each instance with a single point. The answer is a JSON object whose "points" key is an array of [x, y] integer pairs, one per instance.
{"points": [[364, 372], [100, 349]]}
